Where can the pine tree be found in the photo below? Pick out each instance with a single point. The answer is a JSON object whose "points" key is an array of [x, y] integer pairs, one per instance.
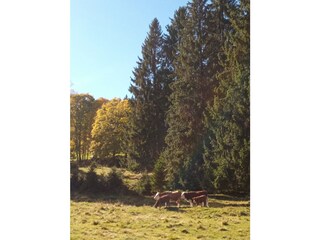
{"points": [[149, 102], [173, 38], [159, 176], [220, 27], [191, 91], [229, 116]]}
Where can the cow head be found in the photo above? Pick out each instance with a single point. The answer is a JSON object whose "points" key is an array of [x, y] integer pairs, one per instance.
{"points": [[157, 196]]}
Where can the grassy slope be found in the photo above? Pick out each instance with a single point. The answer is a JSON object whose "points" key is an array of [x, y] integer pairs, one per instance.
{"points": [[130, 178], [134, 218]]}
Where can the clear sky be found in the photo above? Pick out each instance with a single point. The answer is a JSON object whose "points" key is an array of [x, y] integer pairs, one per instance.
{"points": [[106, 38]]}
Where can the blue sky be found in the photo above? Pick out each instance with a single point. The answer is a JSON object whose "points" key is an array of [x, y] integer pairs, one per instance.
{"points": [[106, 38]]}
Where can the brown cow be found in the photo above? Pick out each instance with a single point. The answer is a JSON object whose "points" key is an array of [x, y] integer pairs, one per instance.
{"points": [[159, 194], [163, 199], [201, 199], [174, 196], [189, 195]]}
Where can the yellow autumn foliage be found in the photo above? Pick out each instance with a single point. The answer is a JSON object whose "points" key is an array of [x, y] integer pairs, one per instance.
{"points": [[109, 128]]}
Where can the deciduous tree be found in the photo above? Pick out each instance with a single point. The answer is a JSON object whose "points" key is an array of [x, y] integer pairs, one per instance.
{"points": [[82, 112], [109, 129]]}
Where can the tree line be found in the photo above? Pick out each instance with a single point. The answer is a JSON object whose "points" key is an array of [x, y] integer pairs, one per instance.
{"points": [[188, 119]]}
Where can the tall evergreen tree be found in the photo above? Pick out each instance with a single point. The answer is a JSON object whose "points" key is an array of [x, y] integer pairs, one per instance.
{"points": [[173, 38], [191, 92], [149, 102], [229, 116], [220, 27]]}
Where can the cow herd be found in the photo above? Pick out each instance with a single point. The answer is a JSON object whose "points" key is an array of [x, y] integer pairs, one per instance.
{"points": [[193, 197]]}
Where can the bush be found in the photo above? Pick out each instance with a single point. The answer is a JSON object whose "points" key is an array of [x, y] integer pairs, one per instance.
{"points": [[91, 182], [75, 182], [132, 165], [85, 182], [159, 176], [144, 185], [113, 182], [76, 177]]}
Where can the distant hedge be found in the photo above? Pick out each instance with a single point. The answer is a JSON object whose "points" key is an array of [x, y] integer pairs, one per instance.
{"points": [[93, 183]]}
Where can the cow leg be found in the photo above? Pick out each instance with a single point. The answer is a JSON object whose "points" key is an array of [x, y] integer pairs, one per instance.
{"points": [[191, 204], [156, 204], [178, 203]]}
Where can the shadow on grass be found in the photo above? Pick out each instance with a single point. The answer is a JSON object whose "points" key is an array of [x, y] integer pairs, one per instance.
{"points": [[175, 209], [222, 205], [138, 201], [132, 199], [228, 197]]}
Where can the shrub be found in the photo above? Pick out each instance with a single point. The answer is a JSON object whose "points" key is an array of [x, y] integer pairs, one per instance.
{"points": [[92, 182], [159, 176], [144, 185], [76, 177], [74, 182], [132, 165], [113, 182]]}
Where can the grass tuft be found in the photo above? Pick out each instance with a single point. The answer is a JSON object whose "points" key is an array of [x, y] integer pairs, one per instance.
{"points": [[185, 231], [243, 213], [201, 227]]}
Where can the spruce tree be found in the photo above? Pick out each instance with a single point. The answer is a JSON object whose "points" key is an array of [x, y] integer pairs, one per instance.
{"points": [[149, 101], [228, 119], [159, 176], [173, 38], [220, 27], [191, 91]]}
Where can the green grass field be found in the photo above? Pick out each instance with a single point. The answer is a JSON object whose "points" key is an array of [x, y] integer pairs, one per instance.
{"points": [[133, 217]]}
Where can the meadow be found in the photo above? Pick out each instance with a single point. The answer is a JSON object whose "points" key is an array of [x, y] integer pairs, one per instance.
{"points": [[133, 217]]}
